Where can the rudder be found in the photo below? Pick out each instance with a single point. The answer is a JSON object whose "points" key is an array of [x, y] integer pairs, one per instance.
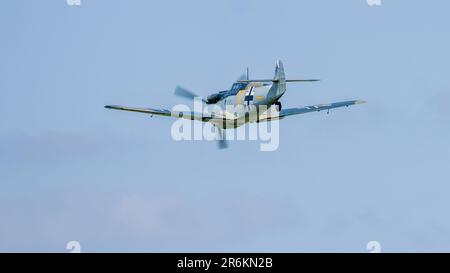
{"points": [[280, 78]]}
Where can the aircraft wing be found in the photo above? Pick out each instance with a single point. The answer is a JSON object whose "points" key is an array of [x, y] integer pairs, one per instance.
{"points": [[313, 108], [163, 112]]}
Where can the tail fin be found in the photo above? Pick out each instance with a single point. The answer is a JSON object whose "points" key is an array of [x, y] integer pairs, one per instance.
{"points": [[279, 78], [279, 72]]}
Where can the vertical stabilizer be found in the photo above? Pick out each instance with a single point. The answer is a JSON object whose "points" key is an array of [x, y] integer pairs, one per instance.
{"points": [[279, 78]]}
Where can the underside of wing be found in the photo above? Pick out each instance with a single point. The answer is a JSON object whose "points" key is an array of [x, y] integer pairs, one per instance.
{"points": [[160, 112], [313, 108], [163, 112], [274, 80]]}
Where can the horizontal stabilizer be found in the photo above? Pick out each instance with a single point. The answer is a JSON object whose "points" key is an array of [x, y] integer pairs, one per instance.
{"points": [[272, 80]]}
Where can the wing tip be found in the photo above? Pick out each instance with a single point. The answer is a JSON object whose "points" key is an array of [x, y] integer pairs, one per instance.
{"points": [[114, 107], [360, 101]]}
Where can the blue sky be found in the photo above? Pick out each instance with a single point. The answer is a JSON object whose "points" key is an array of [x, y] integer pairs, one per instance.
{"points": [[71, 170]]}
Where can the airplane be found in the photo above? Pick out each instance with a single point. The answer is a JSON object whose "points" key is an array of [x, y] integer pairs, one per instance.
{"points": [[246, 101]]}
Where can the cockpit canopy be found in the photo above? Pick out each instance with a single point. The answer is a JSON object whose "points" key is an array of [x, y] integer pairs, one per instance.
{"points": [[237, 86]]}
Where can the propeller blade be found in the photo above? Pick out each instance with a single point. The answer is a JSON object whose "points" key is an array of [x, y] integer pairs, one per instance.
{"points": [[184, 93], [221, 141]]}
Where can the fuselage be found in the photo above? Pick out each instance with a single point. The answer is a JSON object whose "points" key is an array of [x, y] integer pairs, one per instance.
{"points": [[244, 102]]}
